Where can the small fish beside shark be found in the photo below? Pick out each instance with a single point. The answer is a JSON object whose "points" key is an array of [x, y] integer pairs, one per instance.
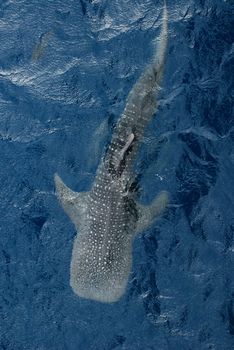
{"points": [[108, 217]]}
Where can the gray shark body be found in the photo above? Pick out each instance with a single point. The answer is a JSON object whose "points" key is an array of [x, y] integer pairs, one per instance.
{"points": [[108, 217]]}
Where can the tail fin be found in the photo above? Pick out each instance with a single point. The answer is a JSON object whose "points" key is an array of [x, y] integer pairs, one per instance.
{"points": [[161, 46], [141, 103], [142, 99]]}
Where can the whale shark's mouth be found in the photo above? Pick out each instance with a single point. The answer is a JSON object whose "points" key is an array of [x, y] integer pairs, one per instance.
{"points": [[105, 295], [108, 292]]}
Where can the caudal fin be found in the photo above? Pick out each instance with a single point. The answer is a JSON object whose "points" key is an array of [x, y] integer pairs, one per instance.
{"points": [[161, 46], [142, 99]]}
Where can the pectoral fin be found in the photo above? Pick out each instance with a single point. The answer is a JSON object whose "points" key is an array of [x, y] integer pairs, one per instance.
{"points": [[73, 203], [147, 214]]}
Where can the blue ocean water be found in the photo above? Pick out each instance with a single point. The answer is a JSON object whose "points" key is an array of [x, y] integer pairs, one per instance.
{"points": [[66, 68]]}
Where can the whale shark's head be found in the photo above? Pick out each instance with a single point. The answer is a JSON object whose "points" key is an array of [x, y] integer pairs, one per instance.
{"points": [[107, 221], [100, 266]]}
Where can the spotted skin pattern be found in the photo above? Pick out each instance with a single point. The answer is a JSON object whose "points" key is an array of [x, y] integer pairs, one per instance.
{"points": [[108, 217]]}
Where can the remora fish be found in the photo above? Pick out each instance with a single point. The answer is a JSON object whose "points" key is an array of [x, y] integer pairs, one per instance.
{"points": [[107, 217]]}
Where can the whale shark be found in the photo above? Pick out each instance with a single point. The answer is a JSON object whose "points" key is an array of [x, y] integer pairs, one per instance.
{"points": [[108, 217]]}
